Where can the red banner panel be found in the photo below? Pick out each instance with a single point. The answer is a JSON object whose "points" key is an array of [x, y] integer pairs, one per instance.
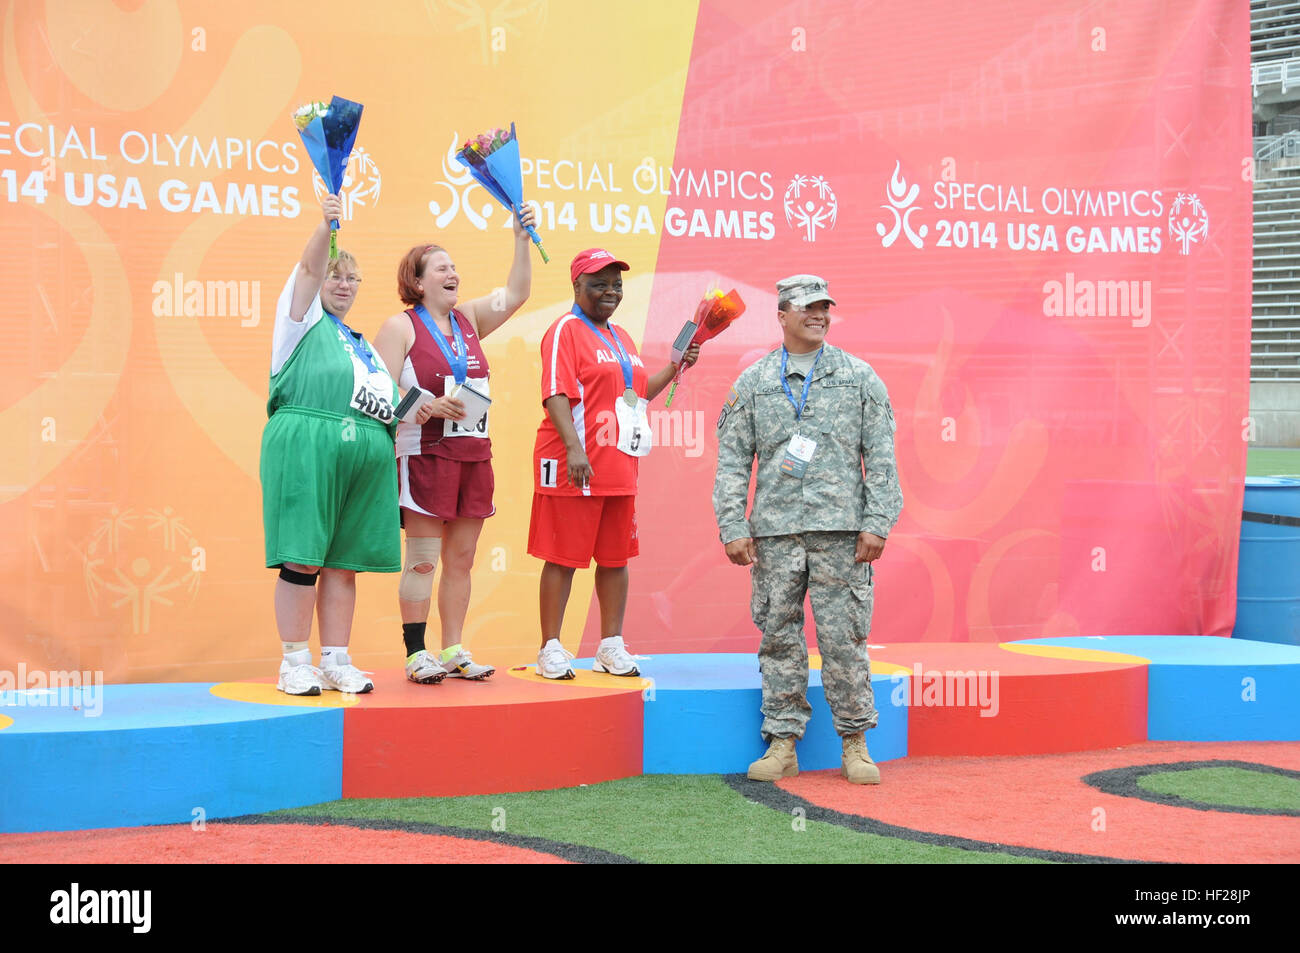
{"points": [[1036, 222]]}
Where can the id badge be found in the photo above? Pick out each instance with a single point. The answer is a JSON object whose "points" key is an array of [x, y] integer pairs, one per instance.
{"points": [[466, 428], [633, 427], [797, 456], [372, 394]]}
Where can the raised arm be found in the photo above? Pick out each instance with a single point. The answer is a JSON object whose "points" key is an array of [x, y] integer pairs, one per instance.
{"points": [[491, 311], [315, 259]]}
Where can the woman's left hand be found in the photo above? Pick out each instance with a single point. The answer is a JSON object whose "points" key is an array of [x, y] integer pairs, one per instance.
{"points": [[691, 356], [423, 415], [524, 221]]}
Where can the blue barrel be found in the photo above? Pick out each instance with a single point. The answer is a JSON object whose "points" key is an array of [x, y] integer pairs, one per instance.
{"points": [[1268, 571]]}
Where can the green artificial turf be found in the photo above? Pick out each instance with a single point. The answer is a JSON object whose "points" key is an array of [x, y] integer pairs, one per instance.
{"points": [[659, 819], [1267, 462], [1234, 787]]}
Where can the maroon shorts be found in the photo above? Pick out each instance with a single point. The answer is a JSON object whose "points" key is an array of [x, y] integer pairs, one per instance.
{"points": [[445, 489], [570, 530]]}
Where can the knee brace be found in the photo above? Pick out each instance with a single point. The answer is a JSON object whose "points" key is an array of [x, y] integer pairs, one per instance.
{"points": [[299, 578], [418, 586]]}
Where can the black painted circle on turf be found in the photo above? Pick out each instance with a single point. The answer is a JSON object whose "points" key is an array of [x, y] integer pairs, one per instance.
{"points": [[1123, 782], [574, 853], [779, 799]]}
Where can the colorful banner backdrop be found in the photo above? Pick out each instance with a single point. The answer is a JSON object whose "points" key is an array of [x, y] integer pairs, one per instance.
{"points": [[1036, 223]]}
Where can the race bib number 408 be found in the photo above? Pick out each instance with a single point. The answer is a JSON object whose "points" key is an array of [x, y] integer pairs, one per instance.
{"points": [[373, 394]]}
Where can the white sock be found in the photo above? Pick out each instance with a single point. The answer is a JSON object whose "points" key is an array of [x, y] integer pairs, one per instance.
{"points": [[334, 655]]}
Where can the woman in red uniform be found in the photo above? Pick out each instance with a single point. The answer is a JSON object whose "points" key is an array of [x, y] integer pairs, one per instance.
{"points": [[595, 390], [445, 466]]}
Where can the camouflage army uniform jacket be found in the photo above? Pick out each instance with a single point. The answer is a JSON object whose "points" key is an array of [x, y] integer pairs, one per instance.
{"points": [[849, 416]]}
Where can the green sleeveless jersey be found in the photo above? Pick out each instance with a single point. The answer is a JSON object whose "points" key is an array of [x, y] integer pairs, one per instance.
{"points": [[318, 375]]}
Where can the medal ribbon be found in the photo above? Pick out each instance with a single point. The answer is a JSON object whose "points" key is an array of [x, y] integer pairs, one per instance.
{"points": [[807, 382], [617, 347], [350, 342], [457, 360]]}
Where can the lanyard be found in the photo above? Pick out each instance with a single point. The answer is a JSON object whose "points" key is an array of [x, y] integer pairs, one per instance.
{"points": [[617, 347], [350, 342], [807, 382], [458, 360]]}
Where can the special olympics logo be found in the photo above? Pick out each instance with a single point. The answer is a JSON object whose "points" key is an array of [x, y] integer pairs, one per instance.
{"points": [[900, 207], [1188, 221], [809, 211], [361, 182], [126, 567], [456, 179]]}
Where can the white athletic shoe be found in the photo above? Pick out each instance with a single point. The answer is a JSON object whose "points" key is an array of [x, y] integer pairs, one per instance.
{"points": [[299, 679], [553, 661], [424, 669], [462, 665], [613, 657], [338, 674]]}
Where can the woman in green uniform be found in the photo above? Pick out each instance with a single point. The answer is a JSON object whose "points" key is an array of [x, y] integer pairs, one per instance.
{"points": [[329, 479]]}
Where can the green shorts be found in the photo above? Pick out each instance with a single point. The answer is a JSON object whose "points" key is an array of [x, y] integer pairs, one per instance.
{"points": [[329, 492]]}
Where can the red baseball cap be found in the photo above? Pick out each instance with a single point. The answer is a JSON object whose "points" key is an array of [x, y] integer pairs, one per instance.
{"points": [[593, 259]]}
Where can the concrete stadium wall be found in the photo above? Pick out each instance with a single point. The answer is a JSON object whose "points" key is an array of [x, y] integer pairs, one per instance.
{"points": [[1275, 405]]}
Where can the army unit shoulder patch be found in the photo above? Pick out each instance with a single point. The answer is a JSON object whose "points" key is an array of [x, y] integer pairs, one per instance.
{"points": [[733, 398]]}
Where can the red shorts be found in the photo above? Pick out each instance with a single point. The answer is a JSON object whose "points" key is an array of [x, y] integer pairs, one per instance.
{"points": [[445, 489], [570, 530]]}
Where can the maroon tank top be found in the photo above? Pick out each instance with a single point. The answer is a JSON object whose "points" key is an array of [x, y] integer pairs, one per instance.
{"points": [[431, 370]]}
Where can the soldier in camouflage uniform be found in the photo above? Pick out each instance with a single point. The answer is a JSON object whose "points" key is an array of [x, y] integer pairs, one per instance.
{"points": [[815, 417]]}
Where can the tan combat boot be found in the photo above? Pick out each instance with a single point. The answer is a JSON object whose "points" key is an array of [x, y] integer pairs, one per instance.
{"points": [[857, 765], [779, 762]]}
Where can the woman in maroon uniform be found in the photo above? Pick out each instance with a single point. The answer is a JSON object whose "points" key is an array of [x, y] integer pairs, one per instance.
{"points": [[445, 466]]}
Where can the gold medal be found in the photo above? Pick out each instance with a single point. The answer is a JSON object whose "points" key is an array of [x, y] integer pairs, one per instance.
{"points": [[629, 395]]}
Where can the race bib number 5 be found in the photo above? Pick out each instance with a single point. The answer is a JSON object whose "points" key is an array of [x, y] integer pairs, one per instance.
{"points": [[634, 437]]}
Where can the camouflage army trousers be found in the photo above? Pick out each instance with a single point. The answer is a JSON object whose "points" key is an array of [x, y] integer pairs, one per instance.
{"points": [[821, 565]]}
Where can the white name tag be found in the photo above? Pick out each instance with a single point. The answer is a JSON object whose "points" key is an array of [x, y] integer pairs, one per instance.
{"points": [[798, 455]]}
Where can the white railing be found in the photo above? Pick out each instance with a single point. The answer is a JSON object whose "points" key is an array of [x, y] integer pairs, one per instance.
{"points": [[1286, 145], [1285, 72]]}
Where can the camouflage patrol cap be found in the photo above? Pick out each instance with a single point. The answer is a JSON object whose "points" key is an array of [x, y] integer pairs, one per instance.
{"points": [[803, 290]]}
